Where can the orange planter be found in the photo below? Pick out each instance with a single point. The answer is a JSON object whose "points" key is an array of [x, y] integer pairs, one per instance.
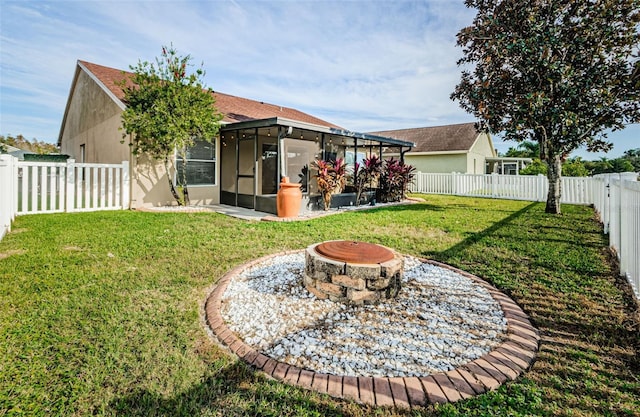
{"points": [[289, 199]]}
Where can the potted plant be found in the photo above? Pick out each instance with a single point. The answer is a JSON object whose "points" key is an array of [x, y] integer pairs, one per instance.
{"points": [[331, 178]]}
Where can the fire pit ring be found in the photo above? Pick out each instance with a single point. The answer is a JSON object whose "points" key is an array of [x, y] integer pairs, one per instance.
{"points": [[352, 272], [354, 252]]}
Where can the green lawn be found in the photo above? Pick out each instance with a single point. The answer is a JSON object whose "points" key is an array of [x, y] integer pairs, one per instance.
{"points": [[100, 313]]}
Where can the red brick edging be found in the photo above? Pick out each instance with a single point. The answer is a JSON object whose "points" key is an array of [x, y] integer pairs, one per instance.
{"points": [[504, 363]]}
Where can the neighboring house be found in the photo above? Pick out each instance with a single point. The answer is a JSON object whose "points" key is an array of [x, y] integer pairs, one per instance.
{"points": [[259, 143], [454, 148], [17, 152]]}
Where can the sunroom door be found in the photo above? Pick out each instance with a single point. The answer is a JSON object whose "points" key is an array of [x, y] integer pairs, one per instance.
{"points": [[247, 169]]}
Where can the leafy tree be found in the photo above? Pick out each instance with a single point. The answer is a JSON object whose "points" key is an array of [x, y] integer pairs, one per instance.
{"points": [[633, 156], [525, 149], [574, 167], [34, 145], [622, 165], [167, 110], [599, 167], [536, 167], [558, 72], [605, 166]]}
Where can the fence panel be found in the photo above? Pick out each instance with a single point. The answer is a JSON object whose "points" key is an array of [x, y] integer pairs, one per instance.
{"points": [[47, 187], [39, 189], [512, 187], [629, 249], [99, 187], [617, 202], [577, 190], [9, 191], [432, 183]]}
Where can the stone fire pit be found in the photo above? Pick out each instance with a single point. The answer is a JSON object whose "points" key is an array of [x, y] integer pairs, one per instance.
{"points": [[352, 272]]}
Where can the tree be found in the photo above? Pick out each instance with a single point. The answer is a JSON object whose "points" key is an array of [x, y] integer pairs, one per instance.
{"points": [[526, 149], [599, 167], [536, 167], [575, 167], [633, 156], [34, 145], [558, 72], [167, 110], [605, 166]]}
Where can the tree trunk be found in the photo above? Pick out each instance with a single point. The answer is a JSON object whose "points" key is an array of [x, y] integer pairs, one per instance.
{"points": [[554, 174], [171, 186], [185, 190]]}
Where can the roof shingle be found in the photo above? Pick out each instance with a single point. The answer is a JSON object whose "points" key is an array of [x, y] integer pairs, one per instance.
{"points": [[458, 137], [234, 109]]}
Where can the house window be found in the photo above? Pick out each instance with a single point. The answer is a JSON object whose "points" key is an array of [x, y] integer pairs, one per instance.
{"points": [[201, 164]]}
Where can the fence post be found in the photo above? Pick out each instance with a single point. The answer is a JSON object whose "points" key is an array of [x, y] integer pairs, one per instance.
{"points": [[494, 184], [70, 186], [126, 185], [9, 189], [454, 184], [624, 254], [607, 204], [620, 224]]}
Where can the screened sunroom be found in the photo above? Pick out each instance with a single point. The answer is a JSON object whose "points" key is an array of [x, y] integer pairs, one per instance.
{"points": [[255, 155]]}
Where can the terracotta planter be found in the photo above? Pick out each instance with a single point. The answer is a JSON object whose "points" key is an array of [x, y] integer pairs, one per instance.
{"points": [[289, 199]]}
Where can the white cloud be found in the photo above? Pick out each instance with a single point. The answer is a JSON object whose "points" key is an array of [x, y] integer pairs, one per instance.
{"points": [[360, 64]]}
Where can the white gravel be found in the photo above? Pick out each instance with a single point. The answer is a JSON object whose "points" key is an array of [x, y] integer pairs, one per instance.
{"points": [[439, 321]]}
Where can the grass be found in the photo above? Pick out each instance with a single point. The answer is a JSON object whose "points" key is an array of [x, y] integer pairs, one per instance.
{"points": [[100, 313]]}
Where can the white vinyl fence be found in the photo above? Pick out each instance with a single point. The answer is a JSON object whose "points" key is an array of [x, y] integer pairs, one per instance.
{"points": [[8, 192], [50, 187], [575, 190], [617, 201]]}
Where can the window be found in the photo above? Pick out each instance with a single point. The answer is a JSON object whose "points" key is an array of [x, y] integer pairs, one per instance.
{"points": [[201, 164]]}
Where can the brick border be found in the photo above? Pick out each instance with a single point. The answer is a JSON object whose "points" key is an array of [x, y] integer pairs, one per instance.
{"points": [[505, 363]]}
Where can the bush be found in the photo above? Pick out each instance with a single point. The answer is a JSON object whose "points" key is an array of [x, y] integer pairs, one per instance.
{"points": [[395, 179]]}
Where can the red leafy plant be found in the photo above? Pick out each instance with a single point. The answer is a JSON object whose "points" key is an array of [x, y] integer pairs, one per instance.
{"points": [[395, 179], [331, 178], [365, 174]]}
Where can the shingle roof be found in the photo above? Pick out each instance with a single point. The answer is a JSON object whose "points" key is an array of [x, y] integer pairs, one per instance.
{"points": [[458, 137], [234, 109]]}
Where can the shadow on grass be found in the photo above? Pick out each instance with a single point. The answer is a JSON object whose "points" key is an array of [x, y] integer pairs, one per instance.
{"points": [[235, 390], [558, 269], [408, 207], [474, 238]]}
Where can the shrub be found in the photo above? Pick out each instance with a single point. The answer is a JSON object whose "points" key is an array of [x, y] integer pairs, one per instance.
{"points": [[395, 179], [331, 178], [365, 174]]}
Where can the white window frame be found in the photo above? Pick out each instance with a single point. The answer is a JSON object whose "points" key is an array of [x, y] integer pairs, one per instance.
{"points": [[214, 161]]}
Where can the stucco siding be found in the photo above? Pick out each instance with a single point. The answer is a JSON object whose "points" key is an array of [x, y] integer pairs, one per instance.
{"points": [[438, 163], [93, 120], [478, 154], [150, 185]]}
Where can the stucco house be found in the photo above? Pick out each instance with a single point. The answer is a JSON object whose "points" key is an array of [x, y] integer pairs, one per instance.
{"points": [[461, 148], [453, 148], [259, 143]]}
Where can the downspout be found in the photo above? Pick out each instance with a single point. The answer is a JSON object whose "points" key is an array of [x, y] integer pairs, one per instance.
{"points": [[402, 154], [132, 168]]}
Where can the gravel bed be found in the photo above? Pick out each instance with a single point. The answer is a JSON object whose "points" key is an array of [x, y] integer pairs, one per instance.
{"points": [[439, 321]]}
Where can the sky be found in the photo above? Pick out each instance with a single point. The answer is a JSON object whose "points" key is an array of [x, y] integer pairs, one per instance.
{"points": [[364, 65]]}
